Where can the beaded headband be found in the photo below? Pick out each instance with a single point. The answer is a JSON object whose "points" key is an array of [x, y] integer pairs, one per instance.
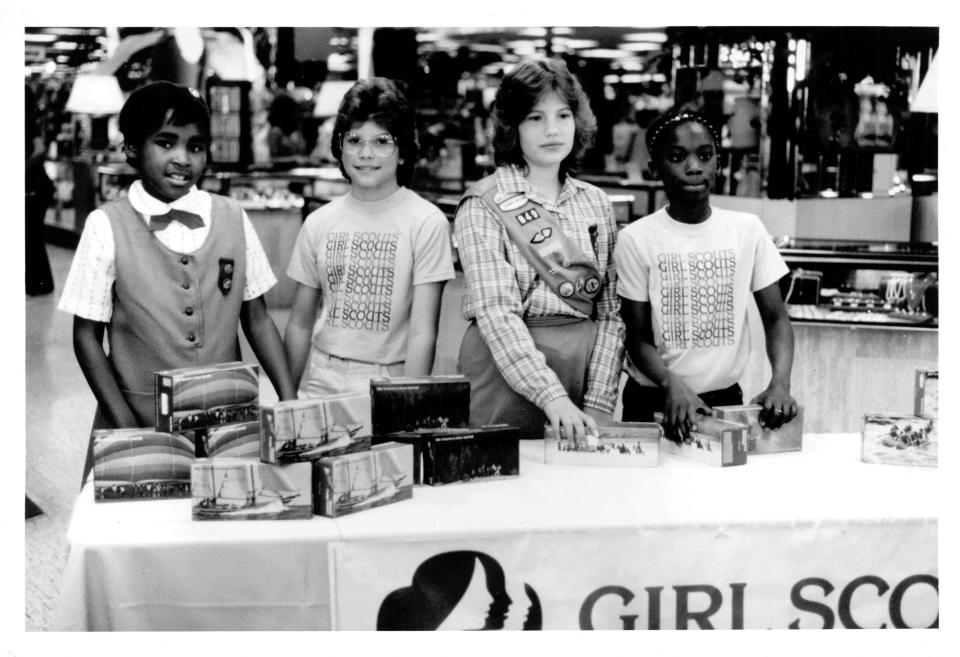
{"points": [[670, 120]]}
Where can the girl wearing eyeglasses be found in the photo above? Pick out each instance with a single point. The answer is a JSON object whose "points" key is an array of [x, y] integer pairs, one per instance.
{"points": [[373, 261], [546, 340]]}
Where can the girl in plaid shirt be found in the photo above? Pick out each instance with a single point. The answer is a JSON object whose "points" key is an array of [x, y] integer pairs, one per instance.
{"points": [[546, 340]]}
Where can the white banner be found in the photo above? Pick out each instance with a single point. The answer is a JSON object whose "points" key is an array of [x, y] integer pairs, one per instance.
{"points": [[802, 575]]}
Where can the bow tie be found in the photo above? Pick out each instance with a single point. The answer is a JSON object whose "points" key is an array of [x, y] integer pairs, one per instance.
{"points": [[161, 221]]}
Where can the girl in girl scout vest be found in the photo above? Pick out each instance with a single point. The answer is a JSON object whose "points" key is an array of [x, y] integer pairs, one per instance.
{"points": [[546, 340]]}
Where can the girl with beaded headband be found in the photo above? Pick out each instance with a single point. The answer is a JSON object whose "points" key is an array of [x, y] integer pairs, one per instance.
{"points": [[686, 276], [545, 339], [373, 262]]}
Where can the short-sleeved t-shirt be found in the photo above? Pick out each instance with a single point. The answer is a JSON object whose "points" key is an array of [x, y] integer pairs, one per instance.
{"points": [[365, 257], [698, 279]]}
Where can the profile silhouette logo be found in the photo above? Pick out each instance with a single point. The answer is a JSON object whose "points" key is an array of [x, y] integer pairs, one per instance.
{"points": [[463, 590]]}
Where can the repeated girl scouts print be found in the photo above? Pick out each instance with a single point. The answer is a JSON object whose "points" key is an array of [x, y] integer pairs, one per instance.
{"points": [[699, 286], [360, 270]]}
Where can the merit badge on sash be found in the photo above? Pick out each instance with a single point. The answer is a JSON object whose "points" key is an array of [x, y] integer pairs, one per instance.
{"points": [[225, 278], [537, 234]]}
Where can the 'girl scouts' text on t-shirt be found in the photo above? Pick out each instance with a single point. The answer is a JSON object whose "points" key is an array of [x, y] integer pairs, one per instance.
{"points": [[698, 279], [366, 258], [698, 286]]}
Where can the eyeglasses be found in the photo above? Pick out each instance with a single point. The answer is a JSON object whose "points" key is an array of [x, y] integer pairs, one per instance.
{"points": [[382, 145]]}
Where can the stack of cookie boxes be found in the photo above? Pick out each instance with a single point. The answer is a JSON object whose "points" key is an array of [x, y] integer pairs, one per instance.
{"points": [[220, 404], [198, 411], [332, 437], [432, 416]]}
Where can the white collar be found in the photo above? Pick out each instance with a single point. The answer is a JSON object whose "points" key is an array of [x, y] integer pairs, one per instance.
{"points": [[149, 205]]}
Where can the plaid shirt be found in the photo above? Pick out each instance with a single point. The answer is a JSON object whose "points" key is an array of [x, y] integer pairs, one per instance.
{"points": [[502, 289]]}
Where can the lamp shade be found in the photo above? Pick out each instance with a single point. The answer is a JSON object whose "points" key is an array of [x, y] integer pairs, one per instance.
{"points": [[927, 96], [95, 94], [331, 93]]}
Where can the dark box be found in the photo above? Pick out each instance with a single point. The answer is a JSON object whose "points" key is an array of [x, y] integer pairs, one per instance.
{"points": [[447, 456], [410, 404], [136, 464], [620, 444], [307, 429], [201, 397], [354, 482], [246, 489]]}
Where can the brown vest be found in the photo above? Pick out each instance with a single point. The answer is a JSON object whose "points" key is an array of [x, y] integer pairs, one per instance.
{"points": [[173, 309]]}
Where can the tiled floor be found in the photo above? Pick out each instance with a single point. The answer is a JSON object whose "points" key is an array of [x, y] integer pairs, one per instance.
{"points": [[59, 409]]}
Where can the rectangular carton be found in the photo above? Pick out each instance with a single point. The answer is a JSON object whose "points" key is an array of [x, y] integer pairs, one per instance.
{"points": [[926, 399], [231, 440], [307, 429], [354, 482], [760, 440], [898, 439], [478, 454], [715, 442], [246, 489], [620, 444], [136, 464], [413, 438], [445, 456], [209, 396], [413, 403]]}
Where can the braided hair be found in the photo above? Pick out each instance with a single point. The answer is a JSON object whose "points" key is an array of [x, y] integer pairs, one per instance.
{"points": [[672, 119]]}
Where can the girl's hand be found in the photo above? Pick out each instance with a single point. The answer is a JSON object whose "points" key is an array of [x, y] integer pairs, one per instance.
{"points": [[569, 421], [681, 406], [779, 407]]}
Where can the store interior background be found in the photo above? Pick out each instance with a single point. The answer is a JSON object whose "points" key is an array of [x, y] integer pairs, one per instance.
{"points": [[829, 135]]}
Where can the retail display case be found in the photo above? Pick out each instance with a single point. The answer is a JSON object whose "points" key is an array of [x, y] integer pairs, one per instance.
{"points": [[861, 282], [865, 317]]}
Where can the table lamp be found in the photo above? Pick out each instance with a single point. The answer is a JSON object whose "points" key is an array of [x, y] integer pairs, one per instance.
{"points": [[98, 96], [328, 100]]}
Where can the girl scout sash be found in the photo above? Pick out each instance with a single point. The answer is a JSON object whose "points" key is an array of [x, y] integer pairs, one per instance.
{"points": [[537, 233]]}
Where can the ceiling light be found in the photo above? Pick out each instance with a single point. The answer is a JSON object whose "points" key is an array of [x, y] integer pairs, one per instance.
{"points": [[562, 30], [533, 32], [575, 44], [487, 47], [65, 45], [640, 46], [654, 37], [603, 53], [41, 38], [526, 46]]}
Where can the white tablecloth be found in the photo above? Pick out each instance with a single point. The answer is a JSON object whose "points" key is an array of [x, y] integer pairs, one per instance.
{"points": [[783, 521]]}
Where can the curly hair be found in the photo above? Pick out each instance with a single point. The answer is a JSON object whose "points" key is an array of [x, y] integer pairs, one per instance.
{"points": [[519, 91], [381, 101]]}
